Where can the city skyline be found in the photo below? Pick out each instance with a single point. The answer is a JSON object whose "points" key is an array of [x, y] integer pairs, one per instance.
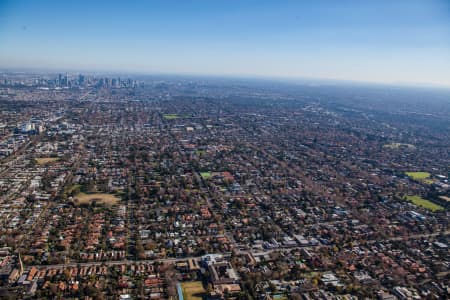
{"points": [[406, 42]]}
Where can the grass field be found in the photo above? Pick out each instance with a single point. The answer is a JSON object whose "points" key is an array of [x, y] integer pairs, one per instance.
{"points": [[205, 175], [170, 116], [193, 290], [419, 201], [418, 175], [428, 181], [45, 160], [100, 198]]}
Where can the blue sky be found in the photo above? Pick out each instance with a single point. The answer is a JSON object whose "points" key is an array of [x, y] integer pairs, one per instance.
{"points": [[401, 41]]}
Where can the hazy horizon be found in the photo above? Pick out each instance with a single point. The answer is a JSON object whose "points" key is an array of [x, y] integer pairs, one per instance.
{"points": [[405, 43]]}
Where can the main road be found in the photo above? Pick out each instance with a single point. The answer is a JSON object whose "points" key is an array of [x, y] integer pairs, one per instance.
{"points": [[198, 258]]}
